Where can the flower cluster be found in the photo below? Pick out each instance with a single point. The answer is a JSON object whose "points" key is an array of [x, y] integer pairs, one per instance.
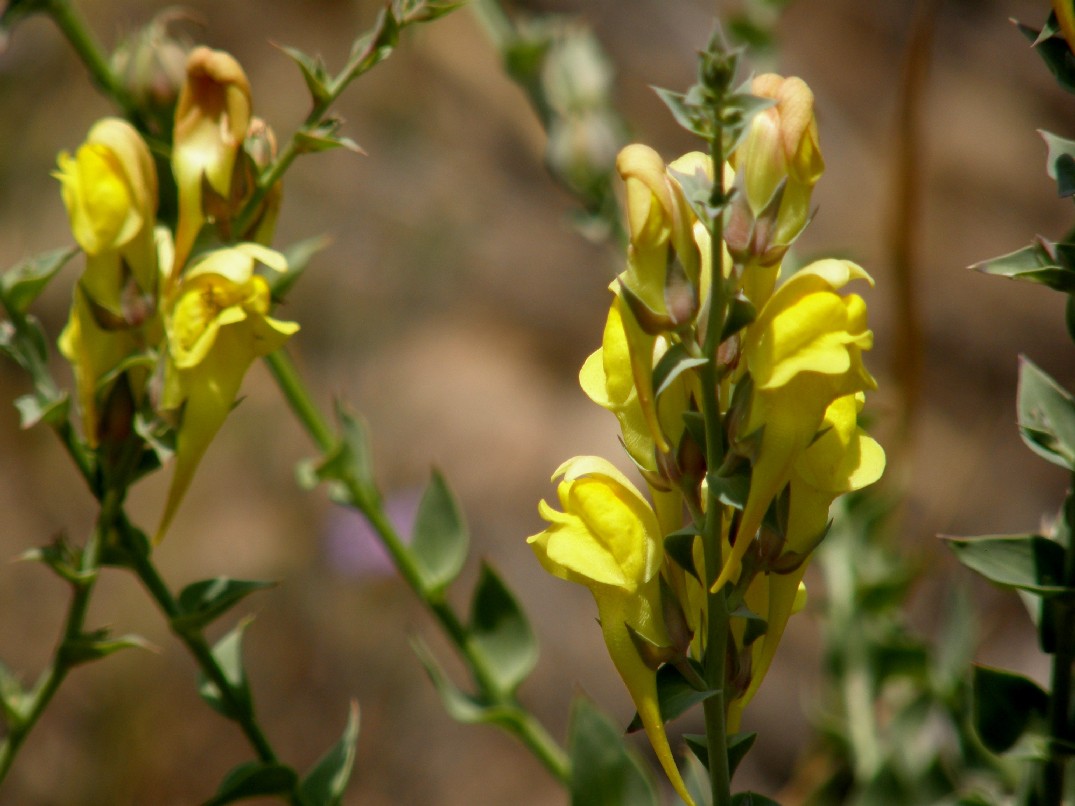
{"points": [[168, 315], [788, 382]]}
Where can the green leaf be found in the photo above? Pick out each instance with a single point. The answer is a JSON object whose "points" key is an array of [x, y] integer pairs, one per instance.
{"points": [[228, 653], [254, 779], [605, 772], [1026, 562], [202, 602], [298, 257], [14, 701], [501, 633], [326, 783], [675, 696], [460, 706], [1056, 54], [313, 73], [98, 644], [1031, 264], [1005, 705], [349, 463], [323, 137], [687, 112], [673, 363], [679, 545], [741, 313], [1046, 414], [21, 284], [440, 537], [738, 744], [1060, 163]]}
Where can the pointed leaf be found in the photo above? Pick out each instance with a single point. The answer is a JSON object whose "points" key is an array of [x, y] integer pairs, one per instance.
{"points": [[1046, 415], [228, 653], [501, 633], [1005, 705], [679, 545], [254, 779], [673, 363], [1026, 562], [13, 700], [460, 706], [1030, 264], [98, 644], [313, 73], [202, 602], [326, 783], [605, 772], [688, 115], [1056, 54], [349, 463], [21, 285], [440, 536], [1060, 162]]}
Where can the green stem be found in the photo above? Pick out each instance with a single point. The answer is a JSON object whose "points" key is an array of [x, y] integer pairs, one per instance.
{"points": [[520, 722], [1054, 769], [52, 677], [716, 649], [74, 28], [199, 648]]}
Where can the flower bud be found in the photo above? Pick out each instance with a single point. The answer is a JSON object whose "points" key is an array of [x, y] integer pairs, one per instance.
{"points": [[780, 155], [151, 65], [211, 121]]}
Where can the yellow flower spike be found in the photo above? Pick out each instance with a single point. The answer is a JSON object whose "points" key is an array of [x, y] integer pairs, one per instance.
{"points": [[211, 120], [607, 538], [803, 352], [217, 324]]}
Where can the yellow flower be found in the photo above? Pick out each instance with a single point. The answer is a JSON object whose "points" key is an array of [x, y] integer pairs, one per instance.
{"points": [[211, 121], [607, 538], [218, 322], [843, 459], [109, 188], [803, 352]]}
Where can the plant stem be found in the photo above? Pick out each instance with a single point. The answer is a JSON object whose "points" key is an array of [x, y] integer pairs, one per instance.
{"points": [[74, 28], [520, 722], [716, 648], [1053, 770], [52, 677]]}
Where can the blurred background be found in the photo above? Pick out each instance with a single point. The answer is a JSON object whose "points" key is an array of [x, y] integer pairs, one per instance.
{"points": [[453, 308]]}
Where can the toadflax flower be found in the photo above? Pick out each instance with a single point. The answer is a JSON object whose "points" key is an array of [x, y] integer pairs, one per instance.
{"points": [[109, 187], [217, 323], [211, 120], [803, 352], [607, 538]]}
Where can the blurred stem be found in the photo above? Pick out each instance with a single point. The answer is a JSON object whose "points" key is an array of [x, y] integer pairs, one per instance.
{"points": [[1053, 770], [716, 648], [199, 648], [36, 701], [73, 26], [519, 722], [904, 232]]}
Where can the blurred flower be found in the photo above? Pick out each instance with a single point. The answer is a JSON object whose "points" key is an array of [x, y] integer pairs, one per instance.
{"points": [[151, 65], [211, 120], [351, 545], [607, 538], [803, 352], [217, 323]]}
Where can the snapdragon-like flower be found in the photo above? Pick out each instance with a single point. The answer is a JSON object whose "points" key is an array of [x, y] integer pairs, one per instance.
{"points": [[211, 120], [607, 538], [803, 352], [109, 187], [217, 323], [844, 458]]}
